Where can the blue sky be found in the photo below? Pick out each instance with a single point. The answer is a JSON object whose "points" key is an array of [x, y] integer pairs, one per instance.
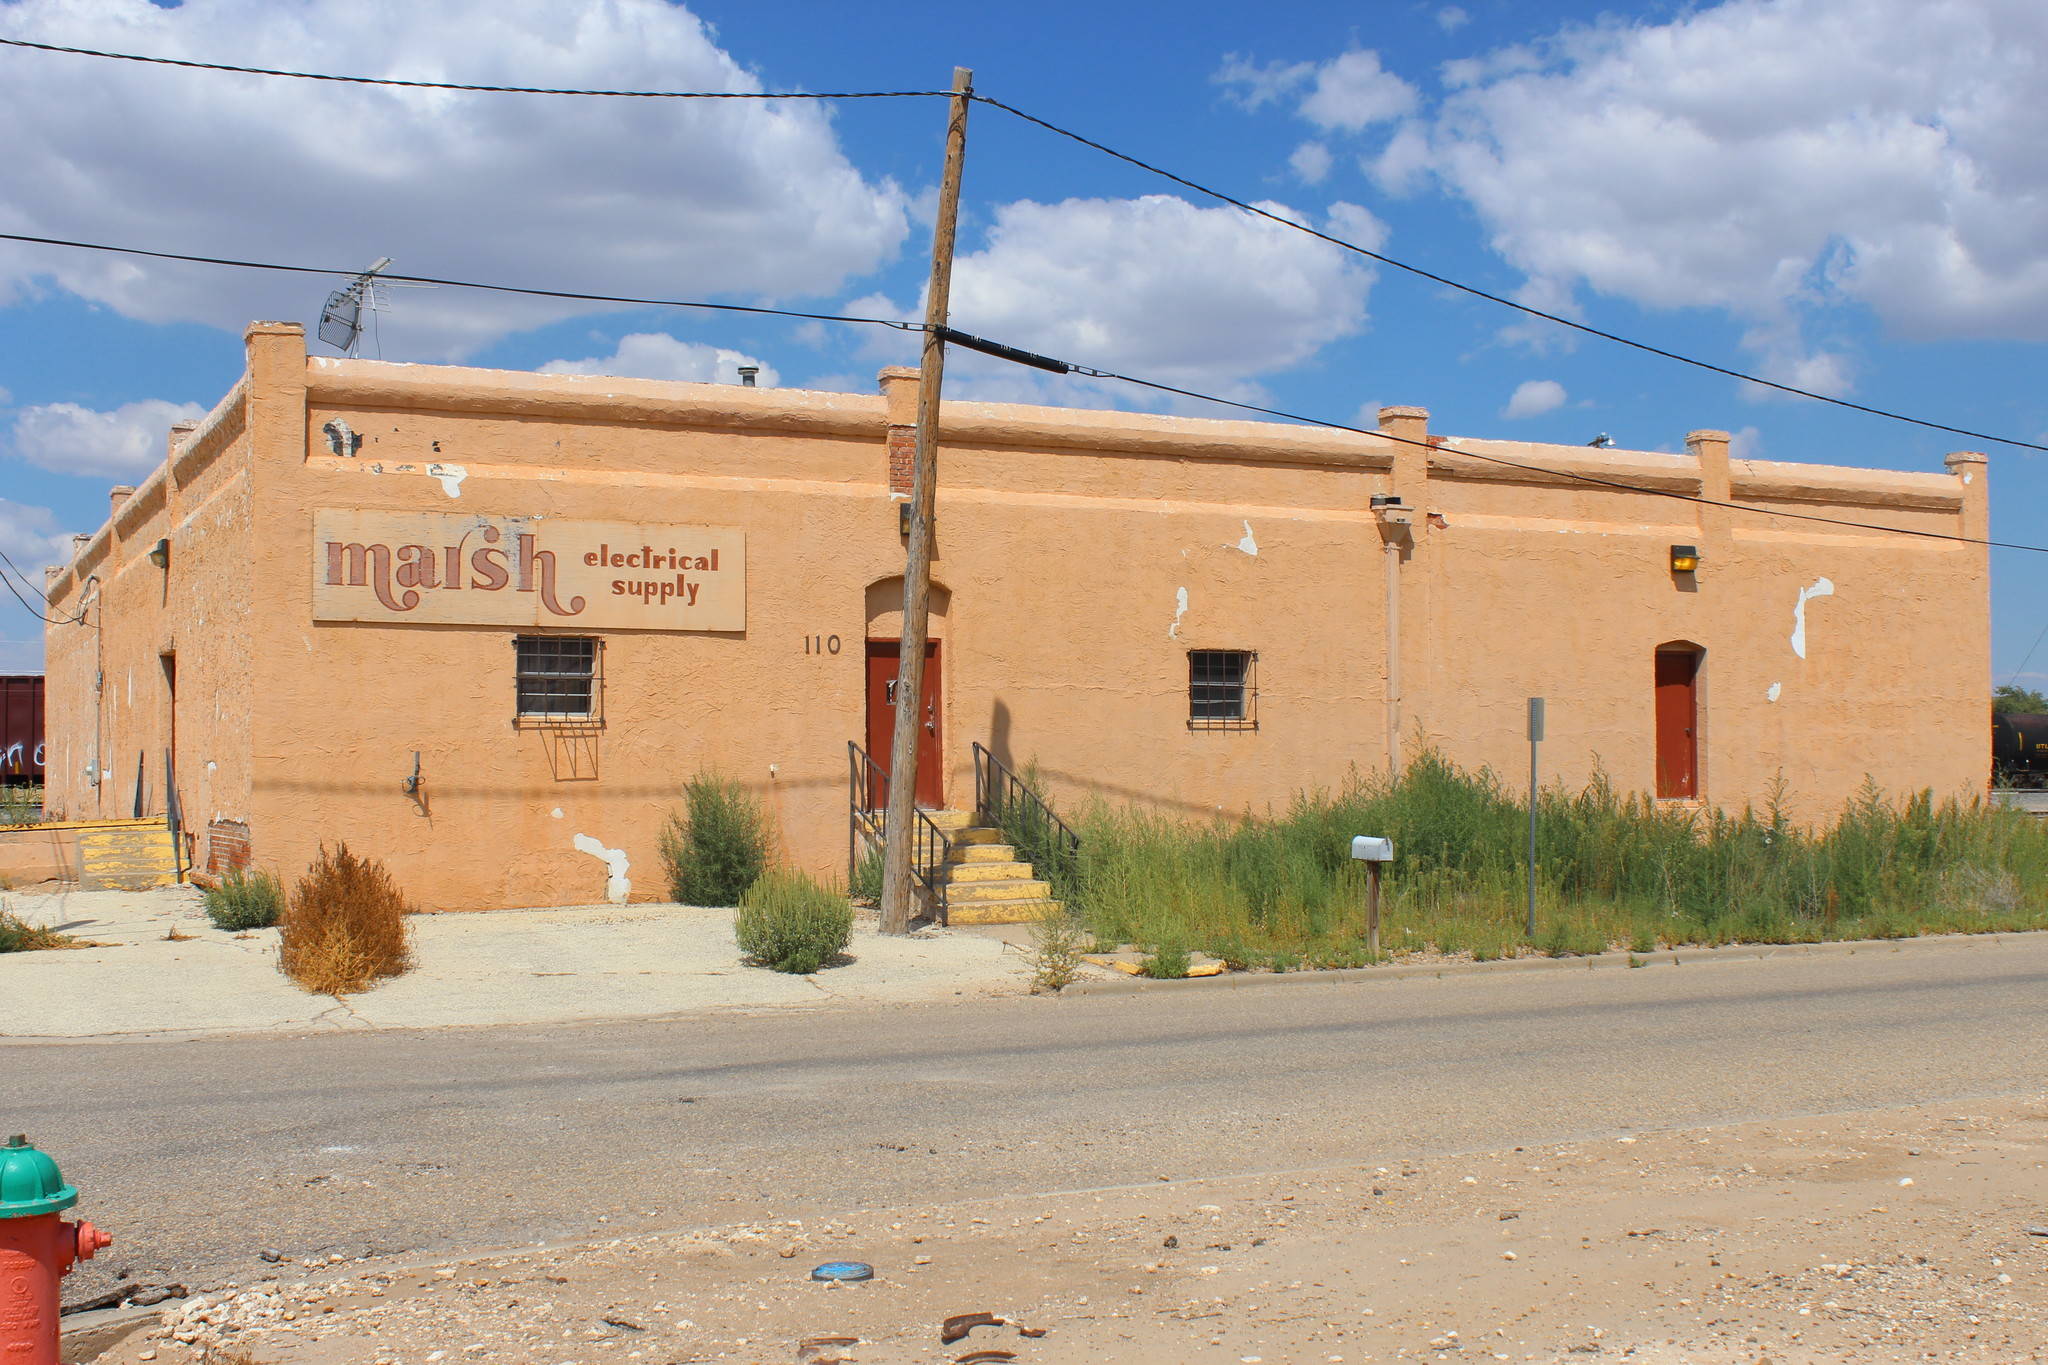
{"points": [[1849, 195]]}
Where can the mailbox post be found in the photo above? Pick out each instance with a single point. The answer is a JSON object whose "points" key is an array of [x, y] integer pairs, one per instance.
{"points": [[1375, 854]]}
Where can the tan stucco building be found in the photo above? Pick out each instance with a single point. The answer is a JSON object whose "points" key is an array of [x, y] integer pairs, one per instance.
{"points": [[554, 597]]}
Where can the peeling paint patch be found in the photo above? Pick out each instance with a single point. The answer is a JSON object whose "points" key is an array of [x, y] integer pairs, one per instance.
{"points": [[1821, 588], [451, 477], [211, 765], [1248, 545], [1772, 694], [1180, 609], [341, 440], [556, 812], [616, 887]]}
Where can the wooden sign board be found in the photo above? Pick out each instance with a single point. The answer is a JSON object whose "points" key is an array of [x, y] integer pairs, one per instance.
{"points": [[442, 568]]}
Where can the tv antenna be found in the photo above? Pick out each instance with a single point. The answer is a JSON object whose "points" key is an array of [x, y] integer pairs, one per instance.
{"points": [[341, 321]]}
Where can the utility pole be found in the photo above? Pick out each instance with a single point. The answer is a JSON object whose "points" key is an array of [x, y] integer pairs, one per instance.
{"points": [[901, 831]]}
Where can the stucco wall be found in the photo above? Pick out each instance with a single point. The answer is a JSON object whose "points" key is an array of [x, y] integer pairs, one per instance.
{"points": [[1083, 554], [120, 616]]}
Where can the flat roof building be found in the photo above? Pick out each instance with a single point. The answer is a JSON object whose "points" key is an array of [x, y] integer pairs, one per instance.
{"points": [[482, 625]]}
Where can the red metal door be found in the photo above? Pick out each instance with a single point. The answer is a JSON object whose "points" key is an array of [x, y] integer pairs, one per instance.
{"points": [[884, 657], [1678, 724]]}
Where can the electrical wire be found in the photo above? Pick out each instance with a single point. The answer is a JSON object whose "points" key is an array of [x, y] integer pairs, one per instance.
{"points": [[1504, 302], [1048, 363], [464, 284], [8, 579], [487, 89], [2013, 681], [1011, 353], [1051, 127]]}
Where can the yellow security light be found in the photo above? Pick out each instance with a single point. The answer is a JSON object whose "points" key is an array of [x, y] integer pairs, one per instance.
{"points": [[1684, 558], [161, 554]]}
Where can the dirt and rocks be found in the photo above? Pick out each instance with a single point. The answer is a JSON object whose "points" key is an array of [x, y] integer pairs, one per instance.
{"points": [[1882, 1236]]}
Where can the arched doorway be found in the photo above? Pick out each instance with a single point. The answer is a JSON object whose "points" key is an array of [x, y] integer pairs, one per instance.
{"points": [[1678, 720], [884, 659]]}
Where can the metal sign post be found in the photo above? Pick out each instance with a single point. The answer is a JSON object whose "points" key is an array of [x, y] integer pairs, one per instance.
{"points": [[1375, 854], [1535, 738]]}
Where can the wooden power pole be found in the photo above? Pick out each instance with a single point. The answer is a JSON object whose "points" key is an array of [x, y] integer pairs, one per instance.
{"points": [[898, 891]]}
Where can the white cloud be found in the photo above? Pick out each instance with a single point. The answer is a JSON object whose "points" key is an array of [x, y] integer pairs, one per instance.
{"points": [[707, 197], [31, 539], [1252, 85], [1199, 297], [1772, 158], [1534, 397], [657, 355], [1746, 444], [1352, 93], [1311, 162], [1450, 18], [126, 443], [1347, 93]]}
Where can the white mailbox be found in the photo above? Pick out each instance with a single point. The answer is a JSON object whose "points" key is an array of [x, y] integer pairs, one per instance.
{"points": [[1367, 849]]}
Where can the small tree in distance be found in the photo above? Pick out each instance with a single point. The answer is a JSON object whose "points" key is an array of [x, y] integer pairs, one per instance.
{"points": [[2012, 699]]}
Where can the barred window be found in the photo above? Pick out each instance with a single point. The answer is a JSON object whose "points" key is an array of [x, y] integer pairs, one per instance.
{"points": [[560, 678], [1223, 692]]}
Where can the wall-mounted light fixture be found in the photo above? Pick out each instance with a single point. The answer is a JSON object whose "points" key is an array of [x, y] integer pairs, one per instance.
{"points": [[1684, 558], [903, 520], [160, 555], [412, 784]]}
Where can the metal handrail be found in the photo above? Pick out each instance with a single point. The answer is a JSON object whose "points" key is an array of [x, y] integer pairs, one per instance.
{"points": [[1002, 799], [933, 847]]}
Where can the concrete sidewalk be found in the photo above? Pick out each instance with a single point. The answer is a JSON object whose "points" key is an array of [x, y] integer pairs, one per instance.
{"points": [[498, 967]]}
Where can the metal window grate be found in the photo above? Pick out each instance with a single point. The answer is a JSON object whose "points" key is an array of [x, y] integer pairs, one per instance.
{"points": [[1223, 691], [560, 679]]}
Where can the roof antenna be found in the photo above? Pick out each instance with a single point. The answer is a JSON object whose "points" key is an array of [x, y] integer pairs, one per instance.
{"points": [[341, 321]]}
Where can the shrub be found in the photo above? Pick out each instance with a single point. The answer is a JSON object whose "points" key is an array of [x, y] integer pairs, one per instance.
{"points": [[344, 928], [791, 922], [19, 936], [867, 875], [245, 902], [1169, 962], [1057, 941], [716, 847]]}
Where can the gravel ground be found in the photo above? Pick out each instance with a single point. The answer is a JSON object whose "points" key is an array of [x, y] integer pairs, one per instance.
{"points": [[1878, 1236]]}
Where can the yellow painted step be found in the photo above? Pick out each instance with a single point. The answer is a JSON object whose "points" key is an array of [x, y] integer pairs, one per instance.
{"points": [[981, 853], [999, 912], [1019, 888], [958, 874], [128, 856], [977, 834]]}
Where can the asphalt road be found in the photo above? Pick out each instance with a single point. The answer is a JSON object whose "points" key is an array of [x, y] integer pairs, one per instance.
{"points": [[198, 1154]]}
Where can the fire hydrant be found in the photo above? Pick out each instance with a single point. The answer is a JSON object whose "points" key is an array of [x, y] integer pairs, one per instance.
{"points": [[37, 1249]]}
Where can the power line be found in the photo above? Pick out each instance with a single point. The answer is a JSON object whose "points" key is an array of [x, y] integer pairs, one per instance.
{"points": [[463, 284], [1011, 353], [1055, 128], [1022, 357], [488, 89], [8, 579], [1504, 302]]}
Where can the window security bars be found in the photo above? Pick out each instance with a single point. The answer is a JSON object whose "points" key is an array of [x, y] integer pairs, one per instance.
{"points": [[1223, 691], [559, 680]]}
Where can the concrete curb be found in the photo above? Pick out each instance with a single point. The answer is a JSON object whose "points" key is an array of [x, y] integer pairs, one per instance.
{"points": [[86, 1336], [1746, 952]]}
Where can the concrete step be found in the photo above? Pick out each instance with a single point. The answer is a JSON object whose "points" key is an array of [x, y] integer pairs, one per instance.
{"points": [[976, 834], [980, 853], [958, 874], [950, 820], [1012, 889], [998, 912]]}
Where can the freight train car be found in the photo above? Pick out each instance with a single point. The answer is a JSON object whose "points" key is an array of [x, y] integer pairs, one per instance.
{"points": [[2019, 750], [21, 729]]}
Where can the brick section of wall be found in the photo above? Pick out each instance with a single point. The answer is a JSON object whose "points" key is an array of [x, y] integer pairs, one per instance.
{"points": [[227, 845], [902, 458]]}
